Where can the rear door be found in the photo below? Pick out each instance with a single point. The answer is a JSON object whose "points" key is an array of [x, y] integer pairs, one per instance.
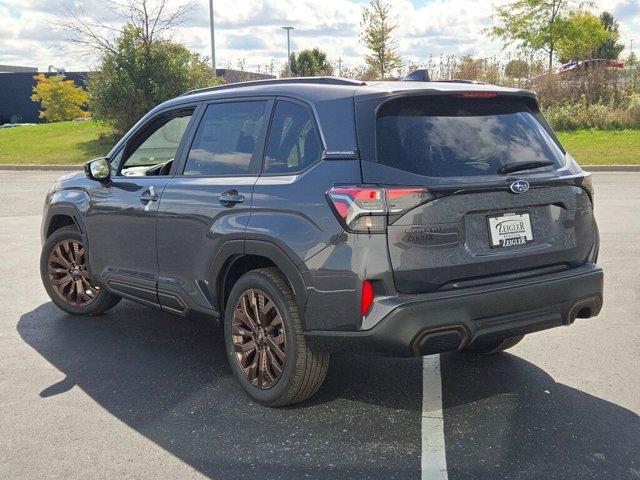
{"points": [[208, 202], [482, 224]]}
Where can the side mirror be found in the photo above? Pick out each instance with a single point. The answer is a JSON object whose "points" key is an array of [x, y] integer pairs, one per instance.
{"points": [[98, 169]]}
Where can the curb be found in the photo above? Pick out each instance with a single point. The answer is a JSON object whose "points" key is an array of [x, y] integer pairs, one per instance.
{"points": [[76, 168]]}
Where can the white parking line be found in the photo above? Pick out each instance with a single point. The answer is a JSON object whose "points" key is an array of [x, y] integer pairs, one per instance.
{"points": [[433, 461]]}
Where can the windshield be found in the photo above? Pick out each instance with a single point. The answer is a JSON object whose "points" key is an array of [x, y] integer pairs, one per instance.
{"points": [[442, 136]]}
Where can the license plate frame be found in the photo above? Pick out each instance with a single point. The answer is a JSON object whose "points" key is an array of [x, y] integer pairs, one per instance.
{"points": [[509, 229]]}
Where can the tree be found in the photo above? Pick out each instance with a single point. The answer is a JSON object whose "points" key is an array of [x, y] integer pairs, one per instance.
{"points": [[136, 77], [378, 25], [60, 99], [533, 24], [141, 66], [582, 33], [609, 48], [308, 63], [516, 69]]}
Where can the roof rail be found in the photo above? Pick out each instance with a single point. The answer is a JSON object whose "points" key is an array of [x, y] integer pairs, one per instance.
{"points": [[475, 82], [279, 81]]}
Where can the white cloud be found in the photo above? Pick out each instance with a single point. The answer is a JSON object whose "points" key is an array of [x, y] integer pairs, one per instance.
{"points": [[250, 30]]}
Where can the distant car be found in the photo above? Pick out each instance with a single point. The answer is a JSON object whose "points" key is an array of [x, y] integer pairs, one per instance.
{"points": [[325, 215], [580, 66]]}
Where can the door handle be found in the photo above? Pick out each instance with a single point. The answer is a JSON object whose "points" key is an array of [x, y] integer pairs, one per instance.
{"points": [[231, 197], [149, 196]]}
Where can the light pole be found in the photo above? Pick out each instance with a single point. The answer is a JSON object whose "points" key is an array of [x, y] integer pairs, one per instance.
{"points": [[288, 29], [213, 40]]}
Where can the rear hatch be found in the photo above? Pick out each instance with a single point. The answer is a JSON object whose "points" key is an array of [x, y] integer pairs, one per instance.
{"points": [[504, 202]]}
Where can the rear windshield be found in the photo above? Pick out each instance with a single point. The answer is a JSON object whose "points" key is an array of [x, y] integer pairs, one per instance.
{"points": [[444, 136]]}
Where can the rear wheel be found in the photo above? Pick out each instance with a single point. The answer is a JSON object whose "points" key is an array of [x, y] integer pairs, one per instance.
{"points": [[488, 347], [63, 268], [266, 348]]}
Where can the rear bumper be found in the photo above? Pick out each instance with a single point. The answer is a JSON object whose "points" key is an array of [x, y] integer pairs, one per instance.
{"points": [[452, 320]]}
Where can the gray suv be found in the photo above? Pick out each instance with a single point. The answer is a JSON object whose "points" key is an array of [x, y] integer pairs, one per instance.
{"points": [[320, 215]]}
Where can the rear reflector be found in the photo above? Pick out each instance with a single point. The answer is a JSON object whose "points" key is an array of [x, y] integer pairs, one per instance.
{"points": [[367, 298], [364, 208]]}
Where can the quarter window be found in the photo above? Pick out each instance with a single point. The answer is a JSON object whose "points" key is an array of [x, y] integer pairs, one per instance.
{"points": [[293, 142], [226, 139]]}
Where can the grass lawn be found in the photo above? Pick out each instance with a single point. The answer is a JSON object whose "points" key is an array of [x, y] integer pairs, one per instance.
{"points": [[603, 147], [77, 142], [55, 143]]}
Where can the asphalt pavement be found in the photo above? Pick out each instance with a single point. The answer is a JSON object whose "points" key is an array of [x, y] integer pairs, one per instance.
{"points": [[138, 393]]}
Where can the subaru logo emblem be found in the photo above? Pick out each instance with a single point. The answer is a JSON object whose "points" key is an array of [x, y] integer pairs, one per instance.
{"points": [[519, 186]]}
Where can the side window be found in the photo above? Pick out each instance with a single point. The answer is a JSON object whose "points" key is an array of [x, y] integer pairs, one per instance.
{"points": [[152, 151], [293, 142], [226, 139]]}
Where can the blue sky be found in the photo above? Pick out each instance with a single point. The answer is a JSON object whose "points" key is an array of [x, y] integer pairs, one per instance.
{"points": [[249, 31]]}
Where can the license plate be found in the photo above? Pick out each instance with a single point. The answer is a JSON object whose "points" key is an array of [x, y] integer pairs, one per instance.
{"points": [[510, 229]]}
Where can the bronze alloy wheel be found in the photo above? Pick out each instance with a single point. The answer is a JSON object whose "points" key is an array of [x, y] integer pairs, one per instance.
{"points": [[67, 267], [259, 339]]}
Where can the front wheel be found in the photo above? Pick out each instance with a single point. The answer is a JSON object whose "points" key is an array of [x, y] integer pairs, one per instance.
{"points": [[63, 268], [488, 347], [265, 343]]}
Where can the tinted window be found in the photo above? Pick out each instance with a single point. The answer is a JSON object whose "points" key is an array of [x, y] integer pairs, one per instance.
{"points": [[293, 143], [155, 145], [445, 136], [225, 139]]}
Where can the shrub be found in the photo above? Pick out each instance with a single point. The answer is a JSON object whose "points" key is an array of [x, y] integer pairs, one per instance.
{"points": [[60, 99], [573, 116], [634, 109]]}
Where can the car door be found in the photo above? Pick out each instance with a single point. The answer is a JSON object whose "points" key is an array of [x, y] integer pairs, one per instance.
{"points": [[122, 215], [208, 203]]}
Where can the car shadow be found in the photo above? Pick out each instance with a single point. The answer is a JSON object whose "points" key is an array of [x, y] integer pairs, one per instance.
{"points": [[167, 377], [506, 418]]}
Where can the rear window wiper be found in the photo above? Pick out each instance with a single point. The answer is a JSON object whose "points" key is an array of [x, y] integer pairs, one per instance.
{"points": [[518, 166]]}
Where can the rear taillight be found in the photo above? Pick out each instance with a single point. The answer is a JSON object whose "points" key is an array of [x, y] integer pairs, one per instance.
{"points": [[365, 208]]}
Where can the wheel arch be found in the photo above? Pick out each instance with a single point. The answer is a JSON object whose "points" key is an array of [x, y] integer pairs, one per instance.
{"points": [[59, 216], [235, 259]]}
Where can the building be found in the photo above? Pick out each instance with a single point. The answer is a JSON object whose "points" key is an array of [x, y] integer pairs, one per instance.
{"points": [[16, 68], [16, 88]]}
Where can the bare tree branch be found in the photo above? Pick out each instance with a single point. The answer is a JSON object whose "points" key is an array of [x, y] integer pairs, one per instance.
{"points": [[152, 18]]}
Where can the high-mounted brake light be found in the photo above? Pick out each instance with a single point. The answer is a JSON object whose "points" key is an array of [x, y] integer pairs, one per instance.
{"points": [[365, 208], [479, 95]]}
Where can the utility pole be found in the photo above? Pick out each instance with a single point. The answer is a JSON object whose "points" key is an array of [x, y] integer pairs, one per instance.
{"points": [[288, 29], [340, 66], [213, 40]]}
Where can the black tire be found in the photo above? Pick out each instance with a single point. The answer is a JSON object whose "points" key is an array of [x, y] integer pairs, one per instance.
{"points": [[303, 371], [98, 303], [489, 347]]}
